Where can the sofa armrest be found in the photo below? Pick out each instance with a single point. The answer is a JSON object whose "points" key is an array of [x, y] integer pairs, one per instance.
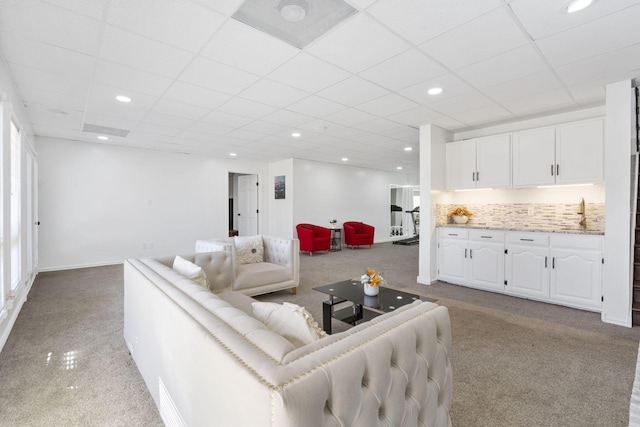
{"points": [[213, 245], [285, 252]]}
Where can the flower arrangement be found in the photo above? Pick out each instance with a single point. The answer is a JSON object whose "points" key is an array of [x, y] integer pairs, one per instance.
{"points": [[461, 211], [371, 277]]}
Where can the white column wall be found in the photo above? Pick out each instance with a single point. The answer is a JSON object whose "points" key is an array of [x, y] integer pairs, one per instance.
{"points": [[618, 149], [432, 183], [101, 204]]}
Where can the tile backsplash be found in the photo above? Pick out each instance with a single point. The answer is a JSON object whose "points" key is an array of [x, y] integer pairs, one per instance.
{"points": [[531, 215]]}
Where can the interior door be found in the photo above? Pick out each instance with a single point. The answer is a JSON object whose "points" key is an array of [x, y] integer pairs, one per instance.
{"points": [[247, 205]]}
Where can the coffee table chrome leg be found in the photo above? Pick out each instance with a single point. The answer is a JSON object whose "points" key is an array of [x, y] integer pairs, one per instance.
{"points": [[327, 308], [357, 313]]}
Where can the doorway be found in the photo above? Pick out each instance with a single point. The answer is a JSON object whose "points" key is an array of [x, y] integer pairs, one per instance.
{"points": [[243, 204]]}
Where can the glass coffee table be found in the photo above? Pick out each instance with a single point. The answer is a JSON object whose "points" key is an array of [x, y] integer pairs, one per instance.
{"points": [[363, 307]]}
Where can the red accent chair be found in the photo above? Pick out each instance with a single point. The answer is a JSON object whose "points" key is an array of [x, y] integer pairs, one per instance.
{"points": [[358, 234], [313, 238]]}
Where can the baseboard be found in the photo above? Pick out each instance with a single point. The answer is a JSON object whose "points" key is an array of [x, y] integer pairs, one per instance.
{"points": [[77, 266]]}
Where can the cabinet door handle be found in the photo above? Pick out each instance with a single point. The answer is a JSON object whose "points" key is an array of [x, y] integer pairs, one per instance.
{"points": [[557, 169], [527, 240], [551, 170], [451, 234], [473, 176], [465, 253], [545, 262], [553, 262], [478, 176], [486, 237], [470, 253]]}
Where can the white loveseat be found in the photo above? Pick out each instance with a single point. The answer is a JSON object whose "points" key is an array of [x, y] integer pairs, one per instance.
{"points": [[207, 361], [278, 267]]}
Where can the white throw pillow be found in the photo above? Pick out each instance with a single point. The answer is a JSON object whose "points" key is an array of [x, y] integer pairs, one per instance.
{"points": [[291, 321], [191, 271], [249, 250]]}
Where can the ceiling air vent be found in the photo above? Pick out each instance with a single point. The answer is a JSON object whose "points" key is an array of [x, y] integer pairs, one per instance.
{"points": [[104, 130], [297, 22]]}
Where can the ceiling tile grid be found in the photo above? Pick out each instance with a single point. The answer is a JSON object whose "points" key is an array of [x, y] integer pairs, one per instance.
{"points": [[203, 82]]}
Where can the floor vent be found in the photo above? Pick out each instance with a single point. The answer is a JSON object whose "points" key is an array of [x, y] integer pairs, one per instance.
{"points": [[168, 410]]}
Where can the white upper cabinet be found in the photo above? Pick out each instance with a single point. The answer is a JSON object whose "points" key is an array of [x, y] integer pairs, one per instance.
{"points": [[479, 163], [534, 157], [579, 152], [566, 154]]}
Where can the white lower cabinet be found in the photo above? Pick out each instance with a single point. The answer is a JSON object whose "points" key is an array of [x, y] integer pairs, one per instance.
{"points": [[576, 271], [471, 258], [560, 268], [527, 265]]}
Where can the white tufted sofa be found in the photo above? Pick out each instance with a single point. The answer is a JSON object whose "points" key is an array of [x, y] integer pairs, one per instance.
{"points": [[207, 361], [279, 270]]}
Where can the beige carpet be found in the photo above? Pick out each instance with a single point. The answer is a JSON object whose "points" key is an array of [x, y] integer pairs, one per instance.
{"points": [[515, 362]]}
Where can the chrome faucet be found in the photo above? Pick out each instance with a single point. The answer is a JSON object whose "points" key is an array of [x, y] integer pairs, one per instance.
{"points": [[581, 212]]}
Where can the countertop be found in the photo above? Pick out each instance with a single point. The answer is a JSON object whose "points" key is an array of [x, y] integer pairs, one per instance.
{"points": [[567, 230]]}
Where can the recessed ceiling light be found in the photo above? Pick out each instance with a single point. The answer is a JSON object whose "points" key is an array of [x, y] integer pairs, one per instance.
{"points": [[399, 168], [233, 154], [104, 138], [435, 91], [408, 148], [578, 5], [345, 159], [123, 98], [296, 134]]}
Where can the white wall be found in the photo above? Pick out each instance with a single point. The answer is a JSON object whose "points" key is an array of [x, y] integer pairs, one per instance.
{"points": [[281, 222], [347, 193], [101, 204]]}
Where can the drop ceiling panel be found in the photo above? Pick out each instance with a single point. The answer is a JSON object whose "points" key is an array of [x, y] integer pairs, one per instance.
{"points": [[608, 33], [182, 24], [238, 45], [155, 118], [39, 115], [216, 76], [264, 128], [308, 73], [127, 78], [607, 68], [180, 109], [156, 130], [130, 49], [196, 95], [474, 41], [287, 118], [322, 127], [350, 117], [226, 7], [52, 100], [407, 69], [378, 125], [353, 91], [246, 108], [44, 80], [316, 106], [523, 87], [273, 93], [514, 64], [226, 119], [372, 42], [543, 18], [416, 116], [557, 100], [211, 129], [50, 24], [458, 104], [90, 8], [47, 57], [418, 21], [588, 94], [387, 105], [487, 114]]}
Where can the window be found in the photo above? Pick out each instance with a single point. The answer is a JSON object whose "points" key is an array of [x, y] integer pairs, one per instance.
{"points": [[15, 207]]}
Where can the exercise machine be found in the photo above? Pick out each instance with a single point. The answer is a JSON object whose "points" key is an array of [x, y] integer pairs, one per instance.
{"points": [[415, 216]]}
